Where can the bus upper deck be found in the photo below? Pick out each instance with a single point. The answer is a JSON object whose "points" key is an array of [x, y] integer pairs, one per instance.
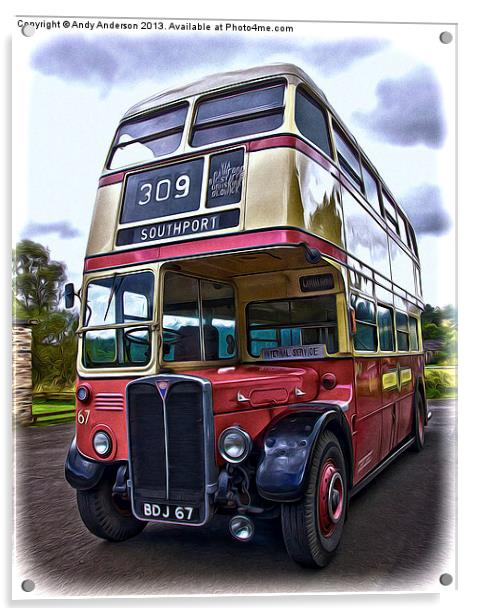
{"points": [[244, 152]]}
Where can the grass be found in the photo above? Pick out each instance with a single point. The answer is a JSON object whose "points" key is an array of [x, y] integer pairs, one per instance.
{"points": [[441, 382], [52, 411]]}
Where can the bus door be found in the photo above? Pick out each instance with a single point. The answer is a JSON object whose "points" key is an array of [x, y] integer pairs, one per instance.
{"points": [[368, 421], [389, 377], [397, 378], [406, 331]]}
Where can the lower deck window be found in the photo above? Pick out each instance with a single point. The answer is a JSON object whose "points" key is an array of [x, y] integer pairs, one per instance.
{"points": [[402, 328], [277, 323], [365, 338], [198, 322], [117, 315]]}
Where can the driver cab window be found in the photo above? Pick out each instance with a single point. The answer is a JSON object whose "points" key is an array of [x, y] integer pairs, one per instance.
{"points": [[198, 319]]}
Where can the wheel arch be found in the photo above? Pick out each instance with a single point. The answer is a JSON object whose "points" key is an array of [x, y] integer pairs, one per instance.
{"points": [[421, 389], [288, 446], [344, 438]]}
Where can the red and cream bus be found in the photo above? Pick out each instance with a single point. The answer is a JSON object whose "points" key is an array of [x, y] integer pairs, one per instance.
{"points": [[249, 340]]}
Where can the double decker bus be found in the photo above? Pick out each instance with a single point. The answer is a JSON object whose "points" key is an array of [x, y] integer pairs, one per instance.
{"points": [[249, 339]]}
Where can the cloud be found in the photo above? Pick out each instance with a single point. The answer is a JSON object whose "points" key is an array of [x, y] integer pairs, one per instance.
{"points": [[424, 207], [63, 228], [106, 61], [409, 110], [336, 56]]}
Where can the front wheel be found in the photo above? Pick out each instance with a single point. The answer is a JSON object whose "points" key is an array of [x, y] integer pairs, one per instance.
{"points": [[107, 515], [312, 527]]}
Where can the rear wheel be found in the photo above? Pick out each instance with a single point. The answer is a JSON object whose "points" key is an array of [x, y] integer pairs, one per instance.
{"points": [[107, 515], [312, 528], [419, 422]]}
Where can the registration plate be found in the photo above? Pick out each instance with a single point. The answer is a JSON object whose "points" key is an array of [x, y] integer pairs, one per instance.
{"points": [[167, 512]]}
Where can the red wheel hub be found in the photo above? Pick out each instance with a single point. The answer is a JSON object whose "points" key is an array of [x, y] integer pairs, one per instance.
{"points": [[330, 498]]}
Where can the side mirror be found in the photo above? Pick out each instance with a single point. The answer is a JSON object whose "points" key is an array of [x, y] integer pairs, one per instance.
{"points": [[69, 295]]}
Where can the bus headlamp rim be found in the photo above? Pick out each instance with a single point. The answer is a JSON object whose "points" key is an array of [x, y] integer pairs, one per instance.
{"points": [[107, 440], [246, 441], [83, 393]]}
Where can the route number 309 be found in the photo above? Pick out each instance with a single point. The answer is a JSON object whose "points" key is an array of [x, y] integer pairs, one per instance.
{"points": [[163, 189]]}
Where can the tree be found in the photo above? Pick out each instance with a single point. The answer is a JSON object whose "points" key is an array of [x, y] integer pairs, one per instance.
{"points": [[37, 279], [440, 324], [37, 284]]}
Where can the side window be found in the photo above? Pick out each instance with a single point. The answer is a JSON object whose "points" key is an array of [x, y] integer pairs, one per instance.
{"points": [[371, 188], [390, 213], [403, 229], [285, 322], [412, 239], [310, 119], [402, 328], [386, 328], [366, 338], [414, 337], [348, 159]]}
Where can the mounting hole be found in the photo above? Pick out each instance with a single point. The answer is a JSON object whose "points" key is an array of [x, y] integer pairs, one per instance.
{"points": [[28, 30], [28, 585], [446, 579], [446, 37]]}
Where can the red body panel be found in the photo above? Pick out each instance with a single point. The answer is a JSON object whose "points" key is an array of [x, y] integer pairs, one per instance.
{"points": [[367, 425], [378, 419], [267, 390]]}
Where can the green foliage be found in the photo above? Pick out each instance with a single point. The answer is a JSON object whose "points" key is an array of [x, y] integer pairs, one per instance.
{"points": [[440, 383], [38, 283], [440, 325]]}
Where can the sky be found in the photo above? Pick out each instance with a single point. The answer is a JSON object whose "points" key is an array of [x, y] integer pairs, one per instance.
{"points": [[393, 85]]}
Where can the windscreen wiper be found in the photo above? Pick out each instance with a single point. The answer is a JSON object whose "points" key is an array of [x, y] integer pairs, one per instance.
{"points": [[111, 294]]}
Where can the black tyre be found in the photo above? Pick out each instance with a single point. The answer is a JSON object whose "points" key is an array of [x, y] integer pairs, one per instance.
{"points": [[106, 515], [419, 422], [312, 527]]}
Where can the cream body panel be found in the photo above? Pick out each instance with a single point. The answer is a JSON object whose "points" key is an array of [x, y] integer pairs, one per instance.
{"points": [[104, 221]]}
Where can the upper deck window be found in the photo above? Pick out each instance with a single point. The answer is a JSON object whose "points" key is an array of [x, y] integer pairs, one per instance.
{"points": [[348, 159], [311, 121], [371, 188], [255, 110], [143, 140], [390, 213]]}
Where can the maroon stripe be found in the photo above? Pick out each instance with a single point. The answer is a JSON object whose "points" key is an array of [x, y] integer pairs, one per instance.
{"points": [[105, 180], [253, 239], [287, 141]]}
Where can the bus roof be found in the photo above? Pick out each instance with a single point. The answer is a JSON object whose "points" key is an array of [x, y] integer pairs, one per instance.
{"points": [[220, 80]]}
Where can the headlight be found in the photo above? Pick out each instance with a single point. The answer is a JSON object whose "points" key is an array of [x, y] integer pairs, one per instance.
{"points": [[102, 443], [82, 393], [235, 444]]}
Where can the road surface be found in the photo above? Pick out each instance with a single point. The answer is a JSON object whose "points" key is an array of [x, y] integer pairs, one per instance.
{"points": [[398, 536]]}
